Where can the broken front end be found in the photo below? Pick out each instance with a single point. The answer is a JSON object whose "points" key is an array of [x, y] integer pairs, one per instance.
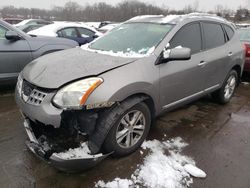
{"points": [[67, 139]]}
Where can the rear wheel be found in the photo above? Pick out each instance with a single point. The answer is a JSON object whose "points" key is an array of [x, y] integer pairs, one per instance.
{"points": [[225, 93], [129, 131]]}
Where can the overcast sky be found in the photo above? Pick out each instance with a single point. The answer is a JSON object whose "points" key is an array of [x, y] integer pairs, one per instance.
{"points": [[174, 4]]}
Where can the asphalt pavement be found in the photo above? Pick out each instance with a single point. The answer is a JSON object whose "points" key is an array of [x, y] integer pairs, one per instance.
{"points": [[218, 137]]}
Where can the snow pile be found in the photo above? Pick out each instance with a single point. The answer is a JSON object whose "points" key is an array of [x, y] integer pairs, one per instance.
{"points": [[170, 18], [161, 169], [77, 153], [128, 54], [117, 183], [144, 17], [245, 83]]}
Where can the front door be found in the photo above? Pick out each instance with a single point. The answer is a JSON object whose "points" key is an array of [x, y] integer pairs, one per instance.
{"points": [[181, 80], [13, 55]]}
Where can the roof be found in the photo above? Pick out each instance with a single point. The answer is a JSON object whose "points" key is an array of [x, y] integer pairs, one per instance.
{"points": [[174, 19]]}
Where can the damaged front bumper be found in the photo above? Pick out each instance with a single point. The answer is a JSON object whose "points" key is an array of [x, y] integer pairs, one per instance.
{"points": [[63, 164]]}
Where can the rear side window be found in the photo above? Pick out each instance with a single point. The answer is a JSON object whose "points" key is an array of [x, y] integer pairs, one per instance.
{"points": [[213, 35], [188, 36], [2, 32], [229, 31]]}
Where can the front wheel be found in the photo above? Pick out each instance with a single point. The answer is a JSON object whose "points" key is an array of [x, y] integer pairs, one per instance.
{"points": [[225, 93], [129, 131]]}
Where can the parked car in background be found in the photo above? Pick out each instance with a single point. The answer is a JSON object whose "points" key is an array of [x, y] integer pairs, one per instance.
{"points": [[244, 34], [98, 25], [78, 32], [243, 25], [27, 28], [13, 20], [105, 94], [17, 49], [107, 28], [33, 22]]}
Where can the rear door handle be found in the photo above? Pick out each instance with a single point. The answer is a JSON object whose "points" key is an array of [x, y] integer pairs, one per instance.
{"points": [[230, 54], [202, 63]]}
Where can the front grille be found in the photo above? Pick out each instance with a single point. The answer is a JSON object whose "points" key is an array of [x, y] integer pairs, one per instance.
{"points": [[31, 94], [36, 97]]}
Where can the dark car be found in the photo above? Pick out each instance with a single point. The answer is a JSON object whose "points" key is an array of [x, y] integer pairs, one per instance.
{"points": [[75, 31], [244, 34], [106, 94], [17, 49]]}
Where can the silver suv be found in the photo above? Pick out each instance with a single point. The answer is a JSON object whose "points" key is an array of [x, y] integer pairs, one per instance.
{"points": [[108, 92]]}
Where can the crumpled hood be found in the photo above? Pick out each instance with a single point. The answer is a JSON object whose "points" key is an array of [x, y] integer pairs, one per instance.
{"points": [[54, 70]]}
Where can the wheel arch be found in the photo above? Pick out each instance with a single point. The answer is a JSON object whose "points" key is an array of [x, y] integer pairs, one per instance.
{"points": [[238, 69]]}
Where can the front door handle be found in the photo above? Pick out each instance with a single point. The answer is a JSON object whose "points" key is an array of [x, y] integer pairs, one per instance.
{"points": [[202, 63], [230, 54]]}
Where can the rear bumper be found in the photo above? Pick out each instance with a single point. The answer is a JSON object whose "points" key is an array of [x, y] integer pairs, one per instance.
{"points": [[62, 164]]}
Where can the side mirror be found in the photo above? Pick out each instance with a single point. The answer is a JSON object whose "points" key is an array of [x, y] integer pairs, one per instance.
{"points": [[12, 35], [176, 54]]}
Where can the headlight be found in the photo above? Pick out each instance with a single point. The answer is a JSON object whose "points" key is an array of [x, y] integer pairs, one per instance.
{"points": [[19, 85], [76, 94]]}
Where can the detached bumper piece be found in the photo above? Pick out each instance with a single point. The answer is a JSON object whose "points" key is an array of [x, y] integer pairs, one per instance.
{"points": [[73, 165]]}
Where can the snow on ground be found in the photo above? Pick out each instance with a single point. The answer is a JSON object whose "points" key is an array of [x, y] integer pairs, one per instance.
{"points": [[245, 83], [77, 153], [163, 167]]}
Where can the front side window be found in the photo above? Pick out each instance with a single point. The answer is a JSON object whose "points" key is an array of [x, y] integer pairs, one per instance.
{"points": [[138, 38], [3, 31], [188, 36], [213, 35], [68, 32]]}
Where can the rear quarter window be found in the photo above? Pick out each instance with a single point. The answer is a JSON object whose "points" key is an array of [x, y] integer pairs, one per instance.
{"points": [[229, 32], [213, 35]]}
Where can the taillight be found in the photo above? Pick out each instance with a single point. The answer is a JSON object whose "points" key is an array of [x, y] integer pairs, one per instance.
{"points": [[247, 47]]}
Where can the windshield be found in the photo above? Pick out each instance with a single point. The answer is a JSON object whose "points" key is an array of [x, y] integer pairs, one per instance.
{"points": [[135, 38], [244, 34]]}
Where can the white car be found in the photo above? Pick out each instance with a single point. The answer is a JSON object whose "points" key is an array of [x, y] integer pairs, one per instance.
{"points": [[76, 31]]}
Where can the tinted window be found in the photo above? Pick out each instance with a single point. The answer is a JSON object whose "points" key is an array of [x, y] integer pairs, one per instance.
{"points": [[68, 32], [85, 32], [2, 32], [214, 35], [229, 31], [189, 36]]}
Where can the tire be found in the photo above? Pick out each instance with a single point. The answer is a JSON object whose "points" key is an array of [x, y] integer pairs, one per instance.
{"points": [[226, 92], [118, 141]]}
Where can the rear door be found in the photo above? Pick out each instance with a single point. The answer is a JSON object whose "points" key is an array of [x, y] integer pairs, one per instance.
{"points": [[183, 80], [13, 55], [215, 54]]}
